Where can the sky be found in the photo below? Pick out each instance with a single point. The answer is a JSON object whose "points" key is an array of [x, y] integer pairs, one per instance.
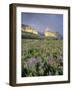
{"points": [[42, 21]]}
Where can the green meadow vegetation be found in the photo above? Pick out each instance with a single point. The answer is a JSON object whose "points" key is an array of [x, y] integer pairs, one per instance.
{"points": [[41, 57]]}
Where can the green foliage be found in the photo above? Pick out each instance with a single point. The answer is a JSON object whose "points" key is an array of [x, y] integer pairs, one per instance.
{"points": [[41, 57]]}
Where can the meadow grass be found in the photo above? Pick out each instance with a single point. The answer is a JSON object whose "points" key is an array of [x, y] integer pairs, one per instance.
{"points": [[41, 57]]}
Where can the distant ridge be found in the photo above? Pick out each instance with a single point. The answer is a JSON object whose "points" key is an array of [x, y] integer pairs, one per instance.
{"points": [[29, 32]]}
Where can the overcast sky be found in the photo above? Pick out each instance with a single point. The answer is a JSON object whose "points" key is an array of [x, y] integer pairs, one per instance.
{"points": [[41, 21]]}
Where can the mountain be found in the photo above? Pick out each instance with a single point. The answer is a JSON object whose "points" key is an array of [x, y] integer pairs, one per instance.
{"points": [[52, 35], [30, 32]]}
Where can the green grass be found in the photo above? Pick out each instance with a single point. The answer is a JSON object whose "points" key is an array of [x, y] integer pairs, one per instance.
{"points": [[41, 57]]}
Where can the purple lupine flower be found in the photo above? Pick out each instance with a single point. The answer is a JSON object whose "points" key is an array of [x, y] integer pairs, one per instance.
{"points": [[31, 61]]}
